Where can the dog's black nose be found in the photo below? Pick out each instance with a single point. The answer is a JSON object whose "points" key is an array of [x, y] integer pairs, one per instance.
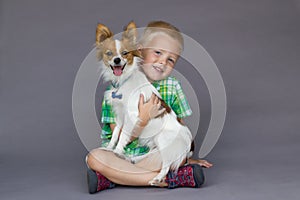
{"points": [[117, 61]]}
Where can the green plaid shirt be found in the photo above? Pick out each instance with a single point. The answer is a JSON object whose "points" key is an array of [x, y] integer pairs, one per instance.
{"points": [[170, 91]]}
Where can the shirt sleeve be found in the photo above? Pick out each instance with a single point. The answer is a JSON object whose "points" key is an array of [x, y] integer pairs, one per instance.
{"points": [[107, 113], [107, 118], [180, 104]]}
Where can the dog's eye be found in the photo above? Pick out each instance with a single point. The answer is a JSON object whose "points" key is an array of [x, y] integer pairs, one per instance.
{"points": [[124, 53], [109, 53]]}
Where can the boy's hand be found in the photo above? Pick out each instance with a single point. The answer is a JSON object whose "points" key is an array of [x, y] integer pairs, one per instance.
{"points": [[150, 109], [202, 163]]}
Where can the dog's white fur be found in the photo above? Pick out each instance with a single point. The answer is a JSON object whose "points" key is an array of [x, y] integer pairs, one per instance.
{"points": [[164, 134]]}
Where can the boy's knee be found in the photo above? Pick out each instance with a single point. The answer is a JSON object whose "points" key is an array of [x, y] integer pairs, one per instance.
{"points": [[94, 160], [90, 160]]}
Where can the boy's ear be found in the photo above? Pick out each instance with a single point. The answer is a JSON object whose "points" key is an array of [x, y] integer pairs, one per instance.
{"points": [[130, 32], [102, 33]]}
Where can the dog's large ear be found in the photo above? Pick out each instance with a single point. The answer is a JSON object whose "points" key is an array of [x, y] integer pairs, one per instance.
{"points": [[102, 33], [137, 53], [130, 32]]}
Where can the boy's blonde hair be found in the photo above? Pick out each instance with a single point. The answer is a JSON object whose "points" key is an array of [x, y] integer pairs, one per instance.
{"points": [[155, 28]]}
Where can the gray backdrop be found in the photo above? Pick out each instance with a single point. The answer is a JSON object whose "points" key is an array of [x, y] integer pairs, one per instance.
{"points": [[254, 43]]}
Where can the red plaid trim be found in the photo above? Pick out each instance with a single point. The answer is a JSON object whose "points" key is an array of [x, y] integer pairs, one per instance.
{"points": [[186, 177], [183, 178], [103, 182]]}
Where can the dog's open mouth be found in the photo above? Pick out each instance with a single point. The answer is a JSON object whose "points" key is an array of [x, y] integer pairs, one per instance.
{"points": [[117, 69]]}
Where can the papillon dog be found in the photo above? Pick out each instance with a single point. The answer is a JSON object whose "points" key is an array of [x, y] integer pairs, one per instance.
{"points": [[120, 61]]}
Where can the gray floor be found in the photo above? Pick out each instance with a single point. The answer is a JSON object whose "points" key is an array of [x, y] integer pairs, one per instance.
{"points": [[255, 44]]}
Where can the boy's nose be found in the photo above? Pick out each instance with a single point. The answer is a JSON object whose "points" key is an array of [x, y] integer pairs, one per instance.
{"points": [[162, 61]]}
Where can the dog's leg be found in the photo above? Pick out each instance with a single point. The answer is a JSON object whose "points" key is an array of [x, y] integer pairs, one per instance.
{"points": [[152, 151], [114, 138], [173, 146], [137, 159], [166, 164], [156, 181], [123, 141], [125, 136]]}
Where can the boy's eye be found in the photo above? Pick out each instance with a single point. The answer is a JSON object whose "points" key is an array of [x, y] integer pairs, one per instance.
{"points": [[171, 60], [109, 53], [124, 53], [157, 52]]}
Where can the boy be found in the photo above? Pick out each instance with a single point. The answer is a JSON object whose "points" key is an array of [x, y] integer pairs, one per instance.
{"points": [[160, 48]]}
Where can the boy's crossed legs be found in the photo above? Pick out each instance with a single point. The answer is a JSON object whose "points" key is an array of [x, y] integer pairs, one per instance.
{"points": [[119, 171]]}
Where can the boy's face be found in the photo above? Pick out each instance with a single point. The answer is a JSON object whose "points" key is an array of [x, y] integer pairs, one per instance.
{"points": [[160, 55]]}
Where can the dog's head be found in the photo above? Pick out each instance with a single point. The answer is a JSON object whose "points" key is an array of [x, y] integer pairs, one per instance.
{"points": [[118, 56]]}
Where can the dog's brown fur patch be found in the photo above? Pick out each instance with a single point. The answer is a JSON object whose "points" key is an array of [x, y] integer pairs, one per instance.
{"points": [[105, 43]]}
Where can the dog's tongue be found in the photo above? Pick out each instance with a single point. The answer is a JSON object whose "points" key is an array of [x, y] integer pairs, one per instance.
{"points": [[118, 71]]}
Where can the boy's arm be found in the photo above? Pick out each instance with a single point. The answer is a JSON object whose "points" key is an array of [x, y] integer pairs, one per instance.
{"points": [[147, 111], [179, 102]]}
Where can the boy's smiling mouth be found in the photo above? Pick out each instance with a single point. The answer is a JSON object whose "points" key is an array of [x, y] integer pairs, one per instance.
{"points": [[158, 69]]}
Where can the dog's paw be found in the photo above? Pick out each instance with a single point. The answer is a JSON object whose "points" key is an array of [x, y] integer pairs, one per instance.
{"points": [[119, 153], [156, 182], [131, 160], [106, 149]]}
